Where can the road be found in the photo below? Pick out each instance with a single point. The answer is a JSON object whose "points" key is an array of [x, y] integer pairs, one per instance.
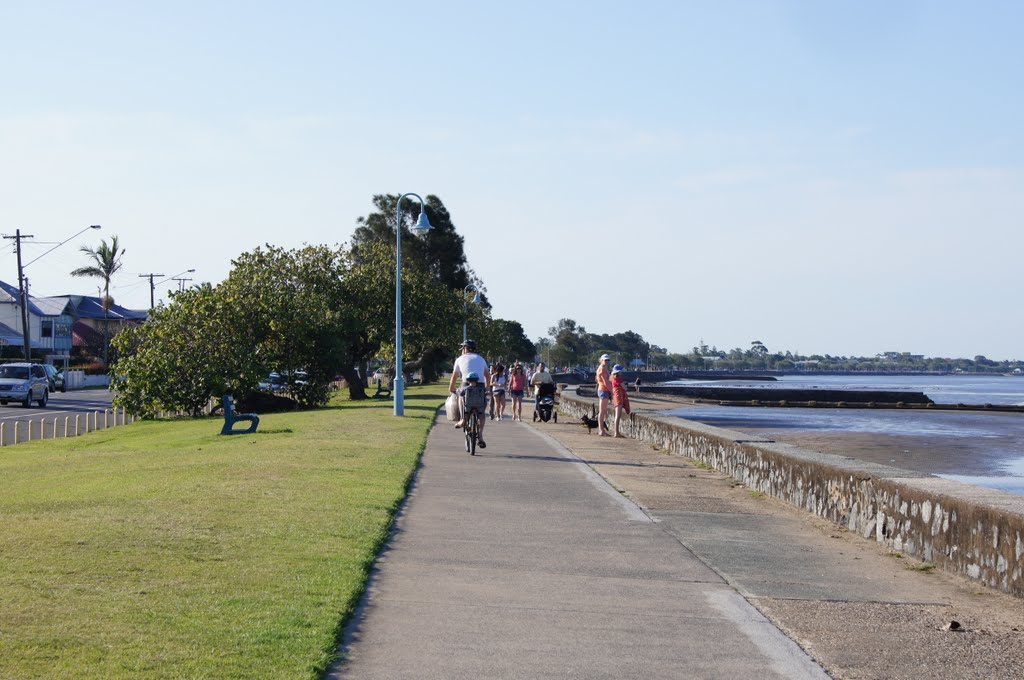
{"points": [[60, 406]]}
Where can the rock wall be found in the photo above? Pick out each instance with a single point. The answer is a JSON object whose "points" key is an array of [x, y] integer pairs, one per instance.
{"points": [[969, 530]]}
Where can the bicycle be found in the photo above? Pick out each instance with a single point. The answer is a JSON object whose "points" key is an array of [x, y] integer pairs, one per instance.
{"points": [[472, 429], [474, 404]]}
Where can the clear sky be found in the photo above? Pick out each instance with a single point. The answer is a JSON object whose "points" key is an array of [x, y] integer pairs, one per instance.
{"points": [[825, 177]]}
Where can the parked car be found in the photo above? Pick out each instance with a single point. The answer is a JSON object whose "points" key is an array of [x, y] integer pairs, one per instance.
{"points": [[56, 378], [282, 380], [273, 383], [24, 383]]}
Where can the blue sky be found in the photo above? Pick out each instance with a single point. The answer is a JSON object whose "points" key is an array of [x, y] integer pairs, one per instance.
{"points": [[826, 177]]}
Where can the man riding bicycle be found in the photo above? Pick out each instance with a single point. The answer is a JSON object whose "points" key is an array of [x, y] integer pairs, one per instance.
{"points": [[465, 366]]}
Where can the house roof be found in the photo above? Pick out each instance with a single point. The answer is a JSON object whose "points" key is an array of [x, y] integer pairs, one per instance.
{"points": [[80, 306], [52, 306], [91, 307], [82, 334], [9, 294], [9, 336]]}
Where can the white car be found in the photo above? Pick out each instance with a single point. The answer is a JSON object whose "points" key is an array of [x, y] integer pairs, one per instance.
{"points": [[24, 383]]}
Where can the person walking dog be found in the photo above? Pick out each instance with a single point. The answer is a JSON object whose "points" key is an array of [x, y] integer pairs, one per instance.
{"points": [[604, 394]]}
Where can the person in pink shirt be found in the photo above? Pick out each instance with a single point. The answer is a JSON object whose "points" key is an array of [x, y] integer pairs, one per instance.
{"points": [[516, 390]]}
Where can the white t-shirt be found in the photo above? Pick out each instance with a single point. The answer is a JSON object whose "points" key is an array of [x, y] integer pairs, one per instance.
{"points": [[471, 363]]}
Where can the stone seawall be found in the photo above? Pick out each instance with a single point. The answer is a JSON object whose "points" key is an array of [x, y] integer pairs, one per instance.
{"points": [[961, 528]]}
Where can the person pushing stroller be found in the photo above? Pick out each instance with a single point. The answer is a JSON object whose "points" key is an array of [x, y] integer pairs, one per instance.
{"points": [[543, 394]]}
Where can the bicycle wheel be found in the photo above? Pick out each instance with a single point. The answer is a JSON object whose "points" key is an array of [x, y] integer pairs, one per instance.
{"points": [[473, 433], [467, 429]]}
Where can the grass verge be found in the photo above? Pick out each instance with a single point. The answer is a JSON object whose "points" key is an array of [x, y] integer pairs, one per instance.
{"points": [[161, 549]]}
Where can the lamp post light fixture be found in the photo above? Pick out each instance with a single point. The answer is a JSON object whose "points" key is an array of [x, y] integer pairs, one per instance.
{"points": [[465, 308], [421, 227]]}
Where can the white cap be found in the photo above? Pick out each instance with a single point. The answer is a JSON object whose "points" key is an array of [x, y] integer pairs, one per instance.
{"points": [[605, 357]]}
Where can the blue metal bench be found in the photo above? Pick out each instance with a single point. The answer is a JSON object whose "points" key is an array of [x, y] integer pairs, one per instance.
{"points": [[230, 418]]}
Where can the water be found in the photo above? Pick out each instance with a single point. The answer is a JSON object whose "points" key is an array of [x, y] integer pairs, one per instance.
{"points": [[942, 389], [986, 449]]}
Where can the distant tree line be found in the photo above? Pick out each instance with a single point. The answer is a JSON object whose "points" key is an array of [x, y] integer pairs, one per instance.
{"points": [[569, 344], [313, 314]]}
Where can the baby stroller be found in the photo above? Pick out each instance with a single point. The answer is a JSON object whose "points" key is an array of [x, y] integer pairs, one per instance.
{"points": [[544, 404]]}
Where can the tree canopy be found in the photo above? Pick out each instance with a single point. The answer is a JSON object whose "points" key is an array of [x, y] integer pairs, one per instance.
{"points": [[322, 311]]}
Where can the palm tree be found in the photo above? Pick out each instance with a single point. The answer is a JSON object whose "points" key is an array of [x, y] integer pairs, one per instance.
{"points": [[106, 260]]}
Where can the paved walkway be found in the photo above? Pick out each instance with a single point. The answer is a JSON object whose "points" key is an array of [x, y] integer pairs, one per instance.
{"points": [[559, 554], [522, 562]]}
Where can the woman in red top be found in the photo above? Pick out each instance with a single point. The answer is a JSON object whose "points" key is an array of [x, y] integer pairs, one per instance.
{"points": [[619, 396], [516, 390]]}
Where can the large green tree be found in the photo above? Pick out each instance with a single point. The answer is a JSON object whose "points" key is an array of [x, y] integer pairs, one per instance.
{"points": [[439, 254], [571, 342], [505, 341], [431, 314], [183, 355], [440, 251], [292, 308], [277, 310]]}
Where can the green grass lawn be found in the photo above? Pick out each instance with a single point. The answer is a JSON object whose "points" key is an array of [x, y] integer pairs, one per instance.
{"points": [[161, 549]]}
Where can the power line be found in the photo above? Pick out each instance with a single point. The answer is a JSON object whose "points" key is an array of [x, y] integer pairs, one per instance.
{"points": [[23, 292], [181, 283], [152, 287]]}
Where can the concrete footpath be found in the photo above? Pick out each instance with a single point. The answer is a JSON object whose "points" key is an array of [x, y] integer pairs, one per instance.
{"points": [[558, 554]]}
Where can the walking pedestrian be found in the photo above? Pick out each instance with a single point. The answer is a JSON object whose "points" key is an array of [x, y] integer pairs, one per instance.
{"points": [[604, 394], [499, 383], [620, 398], [516, 389]]}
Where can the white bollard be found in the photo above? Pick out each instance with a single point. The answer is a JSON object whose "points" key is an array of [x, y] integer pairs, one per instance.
{"points": [[16, 428], [54, 427], [2, 433], [95, 420], [67, 421], [77, 426]]}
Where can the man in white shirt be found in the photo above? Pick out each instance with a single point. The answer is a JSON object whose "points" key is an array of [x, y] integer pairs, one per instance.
{"points": [[470, 362], [541, 376]]}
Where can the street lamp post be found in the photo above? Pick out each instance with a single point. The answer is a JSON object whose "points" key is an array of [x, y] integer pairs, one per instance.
{"points": [[23, 288], [465, 308], [422, 225]]}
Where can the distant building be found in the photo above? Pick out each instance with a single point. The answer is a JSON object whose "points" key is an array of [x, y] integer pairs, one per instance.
{"points": [[901, 356], [49, 323], [89, 318], [52, 320]]}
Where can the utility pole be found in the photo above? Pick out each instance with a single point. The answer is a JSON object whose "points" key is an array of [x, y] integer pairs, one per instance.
{"points": [[152, 287], [181, 283], [23, 293]]}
